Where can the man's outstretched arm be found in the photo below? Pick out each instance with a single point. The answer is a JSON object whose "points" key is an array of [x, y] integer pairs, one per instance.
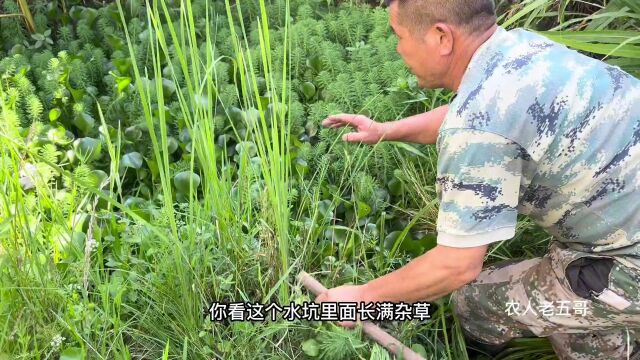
{"points": [[422, 128], [428, 277]]}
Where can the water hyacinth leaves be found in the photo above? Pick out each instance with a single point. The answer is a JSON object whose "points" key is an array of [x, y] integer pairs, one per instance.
{"points": [[235, 115], [99, 179], [59, 135], [311, 347], [247, 148], [185, 181], [243, 120], [309, 90], [133, 133], [325, 209], [250, 118], [172, 144], [408, 244], [337, 233], [273, 110], [301, 166], [72, 353], [315, 63], [362, 209], [395, 186], [87, 149], [169, 88], [84, 122], [122, 83], [107, 132], [54, 114], [138, 206], [132, 160]]}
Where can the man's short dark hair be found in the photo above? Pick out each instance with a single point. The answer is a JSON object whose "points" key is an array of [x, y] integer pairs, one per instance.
{"points": [[472, 15]]}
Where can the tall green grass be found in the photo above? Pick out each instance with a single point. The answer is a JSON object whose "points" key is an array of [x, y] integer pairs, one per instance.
{"points": [[611, 33]]}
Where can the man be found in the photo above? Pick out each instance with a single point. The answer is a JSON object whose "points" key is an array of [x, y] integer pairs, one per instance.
{"points": [[538, 129]]}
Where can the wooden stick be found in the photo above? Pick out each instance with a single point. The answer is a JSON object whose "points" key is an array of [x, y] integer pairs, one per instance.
{"points": [[372, 330]]}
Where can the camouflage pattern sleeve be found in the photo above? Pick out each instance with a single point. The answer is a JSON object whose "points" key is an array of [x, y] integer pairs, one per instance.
{"points": [[478, 185]]}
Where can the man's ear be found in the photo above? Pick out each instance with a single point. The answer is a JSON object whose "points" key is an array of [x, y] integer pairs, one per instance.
{"points": [[443, 36]]}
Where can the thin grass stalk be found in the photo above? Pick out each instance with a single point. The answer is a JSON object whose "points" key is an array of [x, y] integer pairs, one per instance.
{"points": [[163, 167], [26, 13], [203, 145], [272, 140]]}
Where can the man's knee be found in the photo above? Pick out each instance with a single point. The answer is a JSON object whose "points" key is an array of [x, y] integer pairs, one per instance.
{"points": [[596, 345]]}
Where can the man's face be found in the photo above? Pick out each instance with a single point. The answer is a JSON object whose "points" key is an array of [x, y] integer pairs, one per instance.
{"points": [[420, 52]]}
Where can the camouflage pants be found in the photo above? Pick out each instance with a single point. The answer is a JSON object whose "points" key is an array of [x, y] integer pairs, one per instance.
{"points": [[534, 298]]}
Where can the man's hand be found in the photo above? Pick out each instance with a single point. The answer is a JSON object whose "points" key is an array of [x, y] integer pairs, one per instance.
{"points": [[367, 130], [345, 293]]}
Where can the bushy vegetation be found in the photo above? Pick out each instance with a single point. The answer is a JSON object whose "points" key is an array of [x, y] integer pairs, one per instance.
{"points": [[156, 158]]}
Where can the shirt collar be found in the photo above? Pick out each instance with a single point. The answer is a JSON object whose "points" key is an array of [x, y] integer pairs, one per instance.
{"points": [[482, 56]]}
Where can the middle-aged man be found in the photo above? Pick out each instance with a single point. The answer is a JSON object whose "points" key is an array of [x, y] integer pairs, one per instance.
{"points": [[534, 128]]}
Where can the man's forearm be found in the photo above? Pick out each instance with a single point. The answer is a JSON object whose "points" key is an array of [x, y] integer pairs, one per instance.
{"points": [[428, 277], [422, 128]]}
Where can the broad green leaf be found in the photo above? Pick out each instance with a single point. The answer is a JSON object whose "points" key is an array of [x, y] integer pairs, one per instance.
{"points": [[363, 209], [184, 136], [17, 49], [71, 156], [133, 133], [132, 160], [201, 100], [251, 117], [100, 178], [54, 114], [123, 83], [325, 208], [315, 63], [59, 135], [168, 87], [186, 180], [172, 144], [395, 187], [262, 85], [73, 353], [115, 42], [420, 350], [248, 148], [311, 128], [308, 89], [302, 167], [137, 206], [391, 239], [337, 233], [84, 122], [311, 347], [236, 115], [122, 64], [87, 149]]}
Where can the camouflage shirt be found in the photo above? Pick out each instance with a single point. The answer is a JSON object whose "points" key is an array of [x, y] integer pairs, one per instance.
{"points": [[540, 129]]}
